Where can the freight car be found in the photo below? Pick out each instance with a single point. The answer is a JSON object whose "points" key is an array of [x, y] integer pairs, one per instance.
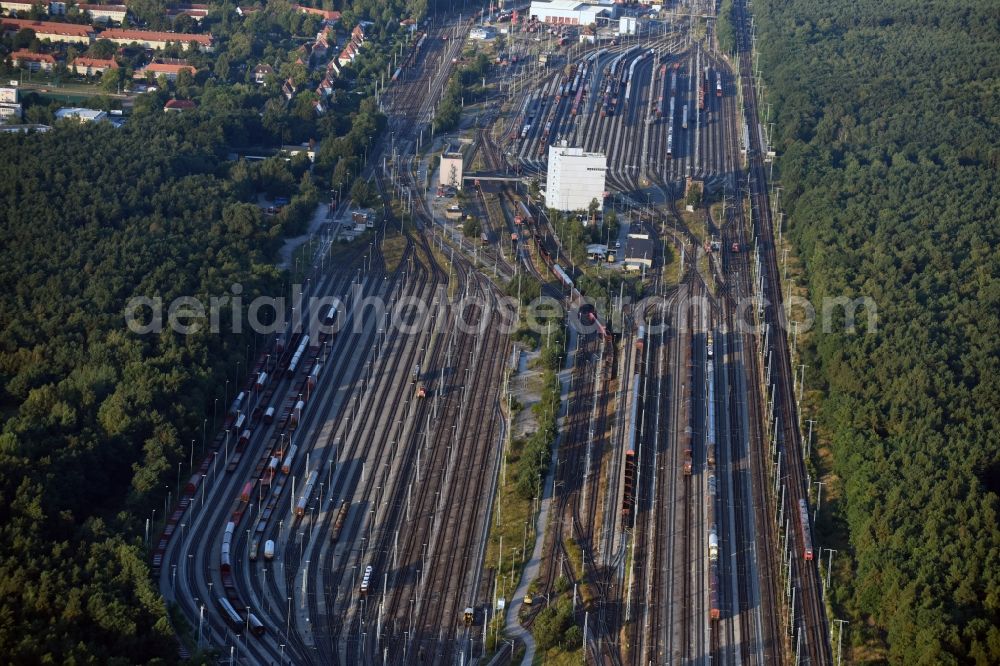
{"points": [[807, 545], [710, 421], [714, 607], [225, 564], [338, 523], [300, 506], [366, 581]]}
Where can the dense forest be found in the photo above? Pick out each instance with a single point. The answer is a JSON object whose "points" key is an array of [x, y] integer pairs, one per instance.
{"points": [[97, 422], [887, 131], [95, 418]]}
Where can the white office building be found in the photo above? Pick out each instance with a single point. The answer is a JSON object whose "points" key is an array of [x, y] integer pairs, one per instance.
{"points": [[574, 178]]}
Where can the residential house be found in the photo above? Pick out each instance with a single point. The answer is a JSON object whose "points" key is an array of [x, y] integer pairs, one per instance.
{"points": [[358, 34], [348, 55], [178, 105], [196, 11], [353, 47], [308, 149], [330, 18], [69, 33], [320, 49], [33, 61], [303, 54], [261, 72], [152, 39], [288, 88], [21, 7], [104, 13], [91, 66], [325, 88], [168, 70]]}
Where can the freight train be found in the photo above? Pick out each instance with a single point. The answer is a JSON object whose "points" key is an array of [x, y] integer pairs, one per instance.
{"points": [[710, 444], [628, 490]]}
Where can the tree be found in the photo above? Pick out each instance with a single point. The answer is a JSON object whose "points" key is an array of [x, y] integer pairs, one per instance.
{"points": [[24, 38], [103, 49], [693, 198], [90, 434], [551, 623], [343, 173], [111, 79], [592, 209], [906, 403], [222, 66], [573, 638], [184, 83], [471, 228], [527, 287], [362, 193]]}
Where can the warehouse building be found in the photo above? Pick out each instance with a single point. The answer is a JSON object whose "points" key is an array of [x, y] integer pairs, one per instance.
{"points": [[574, 178], [638, 254], [639, 248], [571, 12]]}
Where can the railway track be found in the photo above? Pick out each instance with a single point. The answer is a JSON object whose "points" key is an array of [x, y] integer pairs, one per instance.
{"points": [[452, 535], [809, 632], [209, 554]]}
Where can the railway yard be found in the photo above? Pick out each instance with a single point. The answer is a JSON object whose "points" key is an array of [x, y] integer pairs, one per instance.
{"points": [[344, 513]]}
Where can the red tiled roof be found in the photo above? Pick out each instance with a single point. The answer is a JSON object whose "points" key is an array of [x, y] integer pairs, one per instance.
{"points": [[329, 15], [47, 27], [180, 104], [83, 61], [24, 54], [162, 68], [154, 36]]}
